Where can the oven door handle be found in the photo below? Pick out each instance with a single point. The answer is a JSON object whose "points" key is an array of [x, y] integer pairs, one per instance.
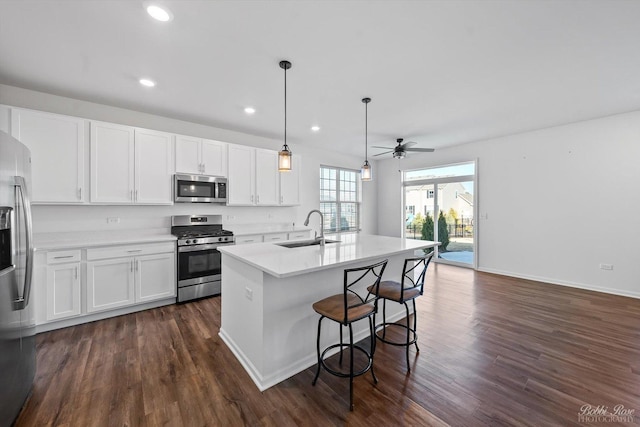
{"points": [[197, 248]]}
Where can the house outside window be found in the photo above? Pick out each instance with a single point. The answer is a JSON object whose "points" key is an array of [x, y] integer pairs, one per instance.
{"points": [[340, 198]]}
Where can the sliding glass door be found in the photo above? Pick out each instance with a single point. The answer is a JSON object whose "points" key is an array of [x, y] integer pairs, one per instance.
{"points": [[439, 205]]}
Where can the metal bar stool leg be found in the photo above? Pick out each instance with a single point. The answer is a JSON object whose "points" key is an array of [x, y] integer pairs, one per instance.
{"points": [[372, 335], [318, 348], [406, 307], [415, 325], [384, 318], [350, 367], [341, 347]]}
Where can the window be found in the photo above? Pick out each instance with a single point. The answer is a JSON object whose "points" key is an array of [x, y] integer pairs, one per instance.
{"points": [[340, 199]]}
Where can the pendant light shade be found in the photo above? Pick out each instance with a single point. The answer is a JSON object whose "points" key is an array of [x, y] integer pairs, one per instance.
{"points": [[365, 171], [284, 155]]}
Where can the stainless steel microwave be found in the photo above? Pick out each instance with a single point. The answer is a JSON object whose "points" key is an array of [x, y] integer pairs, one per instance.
{"points": [[200, 189]]}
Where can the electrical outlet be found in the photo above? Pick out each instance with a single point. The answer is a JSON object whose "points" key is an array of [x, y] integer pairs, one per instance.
{"points": [[113, 220], [248, 292], [606, 266]]}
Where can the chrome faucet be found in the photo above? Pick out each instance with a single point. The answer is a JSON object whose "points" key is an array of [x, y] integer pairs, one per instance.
{"points": [[306, 222]]}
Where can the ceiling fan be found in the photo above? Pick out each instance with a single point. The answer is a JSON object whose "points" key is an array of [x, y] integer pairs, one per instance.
{"points": [[399, 151]]}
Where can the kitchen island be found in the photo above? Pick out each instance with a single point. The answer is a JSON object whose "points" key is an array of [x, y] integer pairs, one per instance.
{"points": [[268, 290]]}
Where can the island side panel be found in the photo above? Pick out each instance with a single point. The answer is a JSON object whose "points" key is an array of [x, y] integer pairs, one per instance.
{"points": [[242, 315], [291, 324]]}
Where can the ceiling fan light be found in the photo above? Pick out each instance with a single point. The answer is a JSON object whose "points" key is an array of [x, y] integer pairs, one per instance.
{"points": [[284, 159], [365, 171]]}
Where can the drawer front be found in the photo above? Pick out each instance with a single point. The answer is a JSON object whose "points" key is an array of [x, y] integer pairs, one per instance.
{"points": [[59, 257], [130, 250], [276, 237], [254, 238], [300, 235]]}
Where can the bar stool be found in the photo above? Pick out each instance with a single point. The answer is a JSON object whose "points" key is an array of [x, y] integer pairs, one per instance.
{"points": [[408, 289], [345, 309]]}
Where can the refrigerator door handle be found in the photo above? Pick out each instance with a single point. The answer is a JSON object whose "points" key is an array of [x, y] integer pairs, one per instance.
{"points": [[21, 187]]}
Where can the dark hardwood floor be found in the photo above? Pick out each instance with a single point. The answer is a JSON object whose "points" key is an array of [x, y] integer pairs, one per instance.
{"points": [[494, 351]]}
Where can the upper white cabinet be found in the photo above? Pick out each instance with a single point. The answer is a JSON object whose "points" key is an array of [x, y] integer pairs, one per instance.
{"points": [[267, 179], [198, 156], [254, 179], [241, 175], [290, 183], [154, 167], [130, 165], [112, 163], [57, 154]]}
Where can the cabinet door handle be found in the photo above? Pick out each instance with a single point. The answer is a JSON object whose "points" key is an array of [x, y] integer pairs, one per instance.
{"points": [[80, 193], [258, 199], [136, 193], [131, 266], [76, 269], [204, 167], [136, 265], [63, 257], [135, 250], [131, 195], [252, 198], [281, 199], [249, 241]]}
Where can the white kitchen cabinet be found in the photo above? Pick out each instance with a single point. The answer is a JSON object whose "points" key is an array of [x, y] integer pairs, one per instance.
{"points": [[198, 156], [214, 158], [118, 276], [241, 175], [130, 165], [57, 145], [62, 291], [290, 183], [276, 237], [110, 284], [249, 238], [155, 277], [153, 167], [299, 235], [112, 163], [267, 178], [254, 179]]}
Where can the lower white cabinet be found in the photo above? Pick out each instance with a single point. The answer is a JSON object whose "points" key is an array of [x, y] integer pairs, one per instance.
{"points": [[63, 290], [109, 284], [155, 277], [119, 276], [76, 283]]}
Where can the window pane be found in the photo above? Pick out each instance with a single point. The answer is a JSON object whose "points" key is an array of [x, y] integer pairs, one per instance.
{"points": [[441, 172], [329, 212], [348, 216]]}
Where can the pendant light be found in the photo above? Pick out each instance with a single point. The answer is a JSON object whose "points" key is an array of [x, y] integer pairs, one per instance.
{"points": [[365, 171], [284, 155]]}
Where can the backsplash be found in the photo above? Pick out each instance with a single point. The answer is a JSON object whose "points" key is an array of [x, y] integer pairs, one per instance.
{"points": [[95, 218]]}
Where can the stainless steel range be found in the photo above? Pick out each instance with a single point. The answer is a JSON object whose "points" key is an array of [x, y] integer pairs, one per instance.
{"points": [[199, 261]]}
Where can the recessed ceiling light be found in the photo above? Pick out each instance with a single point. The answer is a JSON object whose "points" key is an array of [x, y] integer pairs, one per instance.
{"points": [[159, 13], [315, 128], [147, 82], [249, 110]]}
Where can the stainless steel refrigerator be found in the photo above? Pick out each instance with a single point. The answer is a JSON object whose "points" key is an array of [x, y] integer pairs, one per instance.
{"points": [[17, 315]]}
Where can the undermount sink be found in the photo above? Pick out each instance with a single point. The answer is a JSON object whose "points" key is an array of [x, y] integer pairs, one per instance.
{"points": [[302, 243]]}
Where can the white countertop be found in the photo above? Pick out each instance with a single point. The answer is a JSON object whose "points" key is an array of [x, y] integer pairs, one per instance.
{"points": [[248, 229], [84, 239], [285, 262]]}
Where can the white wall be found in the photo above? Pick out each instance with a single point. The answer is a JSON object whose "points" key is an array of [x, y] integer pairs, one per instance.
{"points": [[558, 202], [66, 218]]}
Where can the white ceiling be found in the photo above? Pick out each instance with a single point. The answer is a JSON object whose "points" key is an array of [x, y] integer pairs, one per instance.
{"points": [[438, 72]]}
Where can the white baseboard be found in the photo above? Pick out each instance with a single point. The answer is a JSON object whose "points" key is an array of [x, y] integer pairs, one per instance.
{"points": [[619, 292]]}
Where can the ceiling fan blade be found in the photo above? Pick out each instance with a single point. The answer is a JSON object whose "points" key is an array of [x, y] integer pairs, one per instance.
{"points": [[380, 154], [386, 148], [421, 150], [408, 144]]}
